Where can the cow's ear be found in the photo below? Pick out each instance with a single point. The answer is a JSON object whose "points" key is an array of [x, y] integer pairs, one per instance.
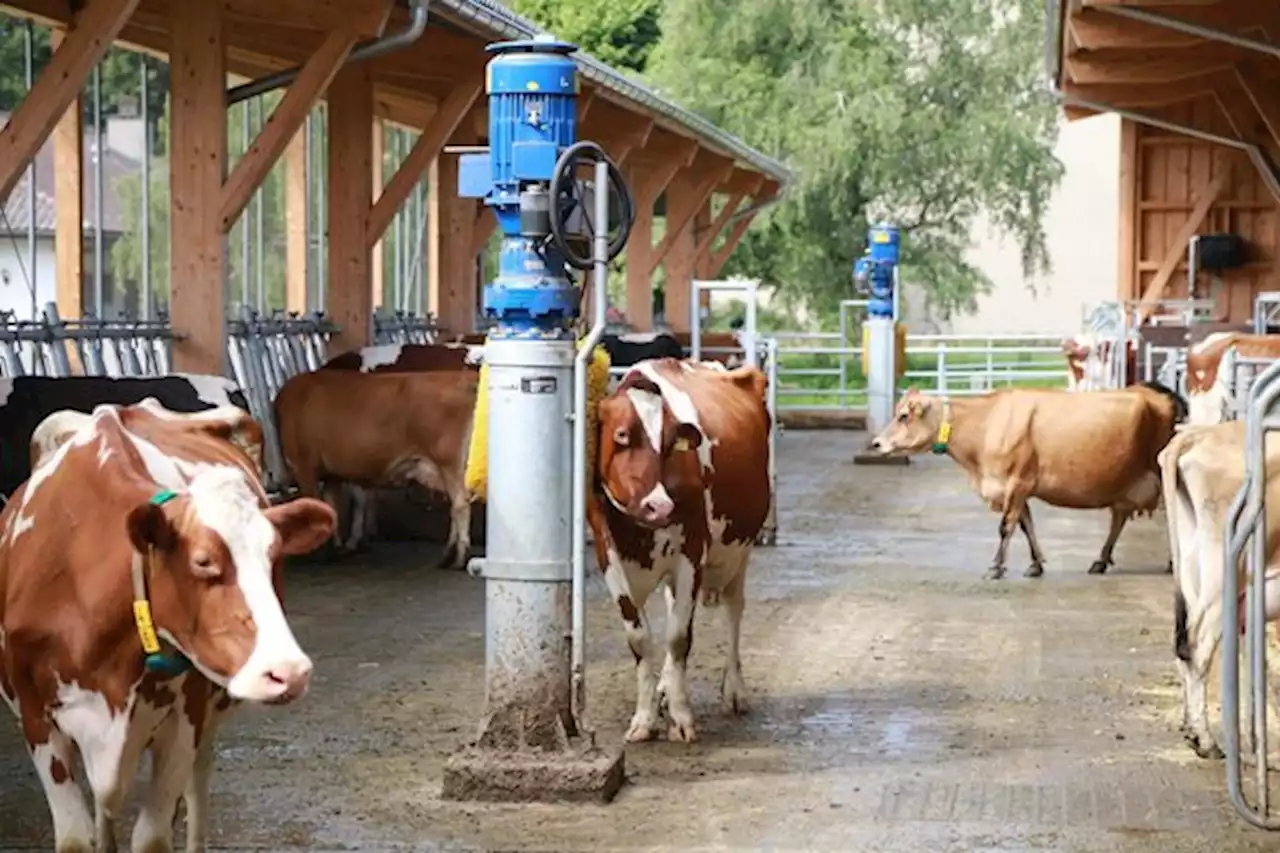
{"points": [[688, 437], [303, 523], [149, 528]]}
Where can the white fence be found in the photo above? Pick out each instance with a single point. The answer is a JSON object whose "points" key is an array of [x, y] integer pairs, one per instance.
{"points": [[823, 370]]}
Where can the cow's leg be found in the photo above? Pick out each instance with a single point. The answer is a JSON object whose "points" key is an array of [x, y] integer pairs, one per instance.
{"points": [[457, 549], [359, 502], [196, 796], [1036, 569], [1012, 508], [1196, 642], [733, 690], [172, 760], [639, 638], [683, 583], [1105, 559], [74, 828]]}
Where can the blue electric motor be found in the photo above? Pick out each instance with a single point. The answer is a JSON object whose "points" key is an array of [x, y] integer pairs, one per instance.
{"points": [[874, 271], [528, 178]]}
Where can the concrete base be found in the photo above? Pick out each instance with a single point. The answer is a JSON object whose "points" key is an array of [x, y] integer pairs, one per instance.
{"points": [[590, 775], [868, 458]]}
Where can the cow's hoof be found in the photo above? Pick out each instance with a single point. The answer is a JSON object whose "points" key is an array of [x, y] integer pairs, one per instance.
{"points": [[1034, 570], [1168, 569], [994, 573], [1212, 751], [1098, 568], [453, 558], [640, 730], [682, 732]]}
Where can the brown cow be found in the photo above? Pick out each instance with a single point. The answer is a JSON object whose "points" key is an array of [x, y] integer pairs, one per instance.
{"points": [[382, 429], [135, 509], [1209, 391], [1018, 443], [682, 491]]}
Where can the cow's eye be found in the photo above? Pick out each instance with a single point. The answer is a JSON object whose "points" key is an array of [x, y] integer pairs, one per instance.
{"points": [[204, 566], [621, 437], [902, 417]]}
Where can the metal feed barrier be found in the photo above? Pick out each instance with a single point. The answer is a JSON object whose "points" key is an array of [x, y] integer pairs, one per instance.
{"points": [[1246, 535], [51, 346]]}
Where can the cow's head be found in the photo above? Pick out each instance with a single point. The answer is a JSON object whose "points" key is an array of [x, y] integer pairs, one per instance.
{"points": [[213, 558], [914, 427], [648, 458]]}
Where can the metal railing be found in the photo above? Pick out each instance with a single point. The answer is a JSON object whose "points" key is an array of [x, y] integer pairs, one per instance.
{"points": [[1247, 537], [823, 370], [52, 346]]}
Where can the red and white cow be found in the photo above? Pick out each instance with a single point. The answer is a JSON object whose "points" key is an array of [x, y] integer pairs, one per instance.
{"points": [[682, 489], [1091, 361], [140, 528], [1210, 392]]}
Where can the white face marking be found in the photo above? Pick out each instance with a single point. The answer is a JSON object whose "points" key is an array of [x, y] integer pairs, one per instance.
{"points": [[214, 390], [648, 406], [224, 502], [682, 407], [658, 500], [371, 358]]}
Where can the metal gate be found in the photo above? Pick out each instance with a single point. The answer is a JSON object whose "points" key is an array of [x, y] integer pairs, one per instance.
{"points": [[1246, 535]]}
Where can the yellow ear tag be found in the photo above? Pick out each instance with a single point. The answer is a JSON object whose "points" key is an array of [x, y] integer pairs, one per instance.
{"points": [[146, 630], [682, 444], [944, 433]]}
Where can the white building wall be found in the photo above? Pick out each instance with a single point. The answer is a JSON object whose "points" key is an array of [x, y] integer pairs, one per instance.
{"points": [[15, 290], [1083, 236]]}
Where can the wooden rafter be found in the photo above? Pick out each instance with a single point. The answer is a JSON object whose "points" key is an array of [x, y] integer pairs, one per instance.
{"points": [[86, 42], [446, 120], [366, 18], [283, 124], [708, 238], [1151, 95], [653, 181], [1164, 68], [1205, 197], [739, 230], [680, 218], [1266, 104]]}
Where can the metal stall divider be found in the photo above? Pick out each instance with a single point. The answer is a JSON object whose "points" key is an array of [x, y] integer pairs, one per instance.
{"points": [[1246, 526]]}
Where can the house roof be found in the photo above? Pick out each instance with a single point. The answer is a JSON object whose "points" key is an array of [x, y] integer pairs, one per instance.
{"points": [[16, 212]]}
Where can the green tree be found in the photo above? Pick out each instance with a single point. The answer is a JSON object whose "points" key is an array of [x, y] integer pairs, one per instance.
{"points": [[621, 33], [926, 114]]}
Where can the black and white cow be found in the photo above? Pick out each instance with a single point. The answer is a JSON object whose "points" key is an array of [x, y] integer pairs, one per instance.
{"points": [[25, 401], [631, 348]]}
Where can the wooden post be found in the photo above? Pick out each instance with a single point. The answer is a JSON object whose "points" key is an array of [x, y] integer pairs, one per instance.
{"points": [[680, 257], [197, 169], [295, 217], [451, 265], [350, 197], [68, 177], [638, 252], [1127, 279]]}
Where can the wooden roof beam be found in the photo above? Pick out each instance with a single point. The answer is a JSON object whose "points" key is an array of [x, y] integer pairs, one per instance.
{"points": [[94, 29], [1167, 69], [366, 18], [1150, 95], [1098, 31], [451, 113], [707, 239], [714, 170], [283, 123], [739, 230], [653, 181], [1266, 104]]}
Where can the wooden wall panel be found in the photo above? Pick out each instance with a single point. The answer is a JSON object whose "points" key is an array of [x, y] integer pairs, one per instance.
{"points": [[1162, 174]]}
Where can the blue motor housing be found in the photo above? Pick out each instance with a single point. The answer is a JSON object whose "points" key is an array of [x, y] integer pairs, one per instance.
{"points": [[876, 268]]}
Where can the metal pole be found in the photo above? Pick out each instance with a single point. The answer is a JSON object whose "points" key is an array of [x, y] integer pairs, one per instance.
{"points": [[244, 220], [259, 271], [144, 217], [98, 182], [586, 351], [33, 273], [308, 170], [695, 320], [322, 212], [398, 252]]}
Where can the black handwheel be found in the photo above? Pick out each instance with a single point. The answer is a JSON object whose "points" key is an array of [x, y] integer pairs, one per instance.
{"points": [[565, 198]]}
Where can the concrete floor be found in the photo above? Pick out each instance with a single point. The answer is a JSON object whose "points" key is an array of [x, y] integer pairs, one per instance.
{"points": [[901, 703]]}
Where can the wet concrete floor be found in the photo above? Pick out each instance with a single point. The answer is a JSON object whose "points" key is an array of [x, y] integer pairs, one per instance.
{"points": [[900, 702]]}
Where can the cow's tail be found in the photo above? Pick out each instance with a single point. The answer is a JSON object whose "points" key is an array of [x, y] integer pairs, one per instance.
{"points": [[1180, 408], [1181, 637]]}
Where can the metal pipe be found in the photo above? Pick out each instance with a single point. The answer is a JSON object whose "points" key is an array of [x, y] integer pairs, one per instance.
{"points": [[371, 49], [322, 213], [586, 351], [1158, 19], [258, 227], [99, 165], [244, 220], [145, 217], [507, 24], [308, 169], [33, 282]]}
